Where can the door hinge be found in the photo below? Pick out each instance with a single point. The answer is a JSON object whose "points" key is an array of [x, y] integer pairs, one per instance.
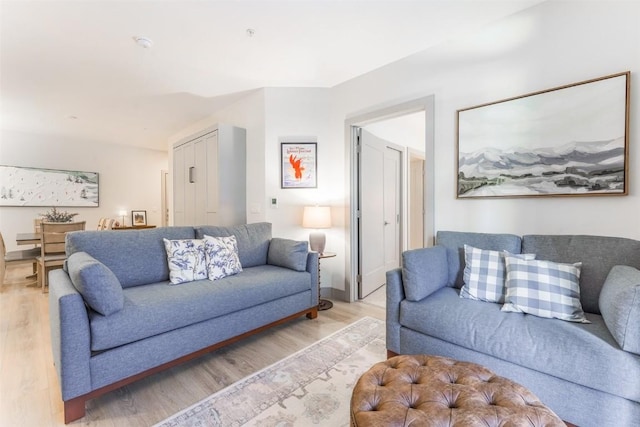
{"points": [[358, 279]]}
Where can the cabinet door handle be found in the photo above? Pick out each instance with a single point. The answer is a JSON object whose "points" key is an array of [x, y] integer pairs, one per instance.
{"points": [[191, 177]]}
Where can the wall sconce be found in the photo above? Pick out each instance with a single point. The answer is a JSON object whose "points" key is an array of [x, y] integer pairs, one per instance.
{"points": [[317, 217]]}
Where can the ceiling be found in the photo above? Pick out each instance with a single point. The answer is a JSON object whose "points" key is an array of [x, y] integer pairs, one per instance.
{"points": [[72, 68]]}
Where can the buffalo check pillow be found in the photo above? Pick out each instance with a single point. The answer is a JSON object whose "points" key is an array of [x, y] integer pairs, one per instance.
{"points": [[544, 289], [484, 274]]}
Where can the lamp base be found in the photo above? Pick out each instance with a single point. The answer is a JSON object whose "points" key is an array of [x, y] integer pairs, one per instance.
{"points": [[324, 304], [317, 241]]}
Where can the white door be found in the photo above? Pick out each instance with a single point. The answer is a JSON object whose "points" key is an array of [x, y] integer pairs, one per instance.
{"points": [[379, 230]]}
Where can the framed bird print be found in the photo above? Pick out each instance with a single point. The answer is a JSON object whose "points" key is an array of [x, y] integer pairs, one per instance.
{"points": [[298, 165]]}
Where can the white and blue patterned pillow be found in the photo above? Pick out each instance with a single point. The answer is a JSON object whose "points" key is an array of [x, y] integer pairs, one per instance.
{"points": [[485, 273], [221, 256], [186, 260], [544, 288]]}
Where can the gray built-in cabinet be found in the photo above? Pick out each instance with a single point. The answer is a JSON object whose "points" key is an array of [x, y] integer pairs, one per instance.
{"points": [[209, 177]]}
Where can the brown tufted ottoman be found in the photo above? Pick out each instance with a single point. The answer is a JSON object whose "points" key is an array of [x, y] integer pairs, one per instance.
{"points": [[437, 391]]}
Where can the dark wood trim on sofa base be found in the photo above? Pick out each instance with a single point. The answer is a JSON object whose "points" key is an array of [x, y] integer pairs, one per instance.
{"points": [[74, 409], [391, 354]]}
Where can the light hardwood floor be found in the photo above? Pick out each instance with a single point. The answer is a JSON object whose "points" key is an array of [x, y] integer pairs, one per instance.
{"points": [[29, 389]]}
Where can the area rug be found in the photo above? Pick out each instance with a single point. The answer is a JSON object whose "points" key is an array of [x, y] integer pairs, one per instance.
{"points": [[311, 387]]}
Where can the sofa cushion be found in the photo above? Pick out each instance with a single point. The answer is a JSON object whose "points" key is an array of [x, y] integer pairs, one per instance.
{"points": [[544, 289], [620, 306], [485, 274], [581, 353], [136, 257], [186, 260], [253, 240], [454, 241], [424, 271], [597, 254], [221, 257], [288, 253], [98, 286], [156, 308]]}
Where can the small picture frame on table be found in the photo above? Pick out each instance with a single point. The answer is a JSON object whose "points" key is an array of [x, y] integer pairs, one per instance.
{"points": [[138, 218]]}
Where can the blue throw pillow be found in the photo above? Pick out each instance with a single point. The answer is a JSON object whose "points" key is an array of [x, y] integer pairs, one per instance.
{"points": [[97, 284], [544, 289], [287, 253], [424, 271], [485, 274], [620, 306]]}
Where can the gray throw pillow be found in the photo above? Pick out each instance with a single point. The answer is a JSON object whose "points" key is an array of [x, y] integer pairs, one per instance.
{"points": [[620, 306], [97, 284], [288, 253], [424, 271]]}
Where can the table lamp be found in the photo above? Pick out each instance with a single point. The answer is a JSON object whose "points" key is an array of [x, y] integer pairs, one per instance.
{"points": [[122, 214], [317, 217]]}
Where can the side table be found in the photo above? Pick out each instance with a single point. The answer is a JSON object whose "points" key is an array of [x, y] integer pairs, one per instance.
{"points": [[323, 304]]}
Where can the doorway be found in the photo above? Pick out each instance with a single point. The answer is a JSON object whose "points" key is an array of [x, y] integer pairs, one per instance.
{"points": [[356, 250]]}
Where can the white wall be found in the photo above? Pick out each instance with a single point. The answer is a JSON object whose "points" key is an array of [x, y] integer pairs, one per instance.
{"points": [[129, 177], [553, 44], [549, 45]]}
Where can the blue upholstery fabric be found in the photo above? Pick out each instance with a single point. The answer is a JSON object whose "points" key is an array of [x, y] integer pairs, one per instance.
{"points": [[596, 253], [70, 339], [121, 362], [584, 354], [158, 308], [424, 271], [288, 253], [253, 240], [98, 285], [454, 241], [620, 306], [136, 257]]}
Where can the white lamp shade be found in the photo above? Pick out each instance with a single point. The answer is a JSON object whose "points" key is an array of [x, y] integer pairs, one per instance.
{"points": [[316, 217]]}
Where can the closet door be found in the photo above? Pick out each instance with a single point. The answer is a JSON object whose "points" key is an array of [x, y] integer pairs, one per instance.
{"points": [[191, 177], [213, 176]]}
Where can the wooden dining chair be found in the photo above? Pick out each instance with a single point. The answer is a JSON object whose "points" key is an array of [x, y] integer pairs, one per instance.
{"points": [[52, 254], [25, 256]]}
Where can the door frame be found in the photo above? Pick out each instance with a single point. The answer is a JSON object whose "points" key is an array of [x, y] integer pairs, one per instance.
{"points": [[425, 104]]}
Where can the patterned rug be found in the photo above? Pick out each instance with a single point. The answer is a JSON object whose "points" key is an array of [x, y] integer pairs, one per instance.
{"points": [[311, 387]]}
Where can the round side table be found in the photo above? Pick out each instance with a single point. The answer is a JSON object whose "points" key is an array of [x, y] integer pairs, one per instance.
{"points": [[323, 304]]}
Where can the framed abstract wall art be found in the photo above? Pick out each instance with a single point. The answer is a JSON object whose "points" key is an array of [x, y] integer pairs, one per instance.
{"points": [[298, 165], [566, 141], [24, 186]]}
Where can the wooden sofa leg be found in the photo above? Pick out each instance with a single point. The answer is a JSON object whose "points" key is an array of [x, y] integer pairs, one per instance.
{"points": [[313, 313], [74, 409]]}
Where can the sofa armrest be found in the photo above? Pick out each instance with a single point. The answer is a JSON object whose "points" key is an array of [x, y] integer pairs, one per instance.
{"points": [[395, 295], [312, 267], [619, 305], [70, 335]]}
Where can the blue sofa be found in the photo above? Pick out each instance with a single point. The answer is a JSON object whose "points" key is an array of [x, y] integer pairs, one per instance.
{"points": [[588, 373], [157, 324]]}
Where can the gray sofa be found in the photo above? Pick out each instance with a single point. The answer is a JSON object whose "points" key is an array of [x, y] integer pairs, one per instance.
{"points": [[588, 373], [159, 325]]}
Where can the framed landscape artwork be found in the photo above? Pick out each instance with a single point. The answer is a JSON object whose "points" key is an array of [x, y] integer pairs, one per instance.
{"points": [[24, 186], [138, 218], [298, 165], [567, 141]]}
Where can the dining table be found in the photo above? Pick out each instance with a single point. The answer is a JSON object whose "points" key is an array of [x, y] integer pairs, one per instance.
{"points": [[28, 238]]}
